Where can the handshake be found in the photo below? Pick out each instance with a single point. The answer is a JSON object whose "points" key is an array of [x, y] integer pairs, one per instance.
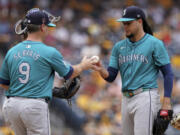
{"points": [[91, 63], [71, 86], [95, 59]]}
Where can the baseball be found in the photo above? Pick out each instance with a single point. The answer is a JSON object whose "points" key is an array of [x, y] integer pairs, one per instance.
{"points": [[95, 59]]}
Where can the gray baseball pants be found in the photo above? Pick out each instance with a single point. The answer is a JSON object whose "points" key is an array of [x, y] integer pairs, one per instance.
{"points": [[139, 112], [27, 116]]}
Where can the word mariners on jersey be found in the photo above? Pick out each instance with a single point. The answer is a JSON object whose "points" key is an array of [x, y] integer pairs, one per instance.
{"points": [[133, 57]]}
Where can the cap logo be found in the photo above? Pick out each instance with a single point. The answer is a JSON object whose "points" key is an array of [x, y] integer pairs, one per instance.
{"points": [[124, 12], [138, 15]]}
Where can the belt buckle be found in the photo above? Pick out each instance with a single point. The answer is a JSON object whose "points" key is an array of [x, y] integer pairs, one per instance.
{"points": [[131, 94]]}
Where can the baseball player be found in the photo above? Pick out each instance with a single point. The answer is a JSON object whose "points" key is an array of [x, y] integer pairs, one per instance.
{"points": [[139, 57], [27, 73]]}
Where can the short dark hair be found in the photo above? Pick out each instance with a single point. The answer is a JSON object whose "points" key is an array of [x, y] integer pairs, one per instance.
{"points": [[30, 28], [33, 28]]}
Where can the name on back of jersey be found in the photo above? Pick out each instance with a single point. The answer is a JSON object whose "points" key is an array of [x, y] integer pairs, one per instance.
{"points": [[26, 53]]}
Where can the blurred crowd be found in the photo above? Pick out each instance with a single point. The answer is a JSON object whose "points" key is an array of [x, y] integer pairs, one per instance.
{"points": [[89, 27]]}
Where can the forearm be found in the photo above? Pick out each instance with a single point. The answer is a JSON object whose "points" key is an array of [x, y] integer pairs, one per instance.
{"points": [[168, 85], [166, 103], [109, 75], [85, 64], [104, 73], [77, 70]]}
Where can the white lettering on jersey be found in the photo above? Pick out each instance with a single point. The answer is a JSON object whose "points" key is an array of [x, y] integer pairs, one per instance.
{"points": [[24, 69], [26, 53], [133, 57]]}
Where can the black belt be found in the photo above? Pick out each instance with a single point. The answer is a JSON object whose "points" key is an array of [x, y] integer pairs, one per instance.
{"points": [[46, 99]]}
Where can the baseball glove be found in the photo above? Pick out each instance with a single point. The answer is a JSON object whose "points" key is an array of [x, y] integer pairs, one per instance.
{"points": [[162, 121], [175, 122], [68, 89]]}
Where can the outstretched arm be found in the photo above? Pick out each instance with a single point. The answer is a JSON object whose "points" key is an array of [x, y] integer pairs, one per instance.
{"points": [[76, 70], [85, 64], [108, 74]]}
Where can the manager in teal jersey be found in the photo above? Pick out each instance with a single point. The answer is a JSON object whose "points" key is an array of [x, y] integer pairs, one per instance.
{"points": [[27, 73], [139, 58]]}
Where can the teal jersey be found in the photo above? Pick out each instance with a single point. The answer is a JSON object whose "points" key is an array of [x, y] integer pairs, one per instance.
{"points": [[139, 62], [30, 68]]}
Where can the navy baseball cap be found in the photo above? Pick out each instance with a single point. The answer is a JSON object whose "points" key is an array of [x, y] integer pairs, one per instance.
{"points": [[132, 13], [38, 17]]}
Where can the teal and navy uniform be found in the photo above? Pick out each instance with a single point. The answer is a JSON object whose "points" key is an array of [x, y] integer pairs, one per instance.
{"points": [[29, 68], [139, 62]]}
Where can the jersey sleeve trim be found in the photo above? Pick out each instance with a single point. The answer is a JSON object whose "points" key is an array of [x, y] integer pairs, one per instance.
{"points": [[112, 74], [68, 75], [5, 82]]}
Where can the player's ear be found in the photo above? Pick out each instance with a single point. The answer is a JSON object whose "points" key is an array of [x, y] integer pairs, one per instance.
{"points": [[43, 28], [140, 21]]}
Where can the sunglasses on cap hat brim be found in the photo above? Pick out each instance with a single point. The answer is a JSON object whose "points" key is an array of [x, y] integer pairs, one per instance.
{"points": [[53, 19]]}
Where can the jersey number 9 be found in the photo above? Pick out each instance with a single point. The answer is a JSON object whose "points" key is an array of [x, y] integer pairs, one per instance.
{"points": [[24, 69]]}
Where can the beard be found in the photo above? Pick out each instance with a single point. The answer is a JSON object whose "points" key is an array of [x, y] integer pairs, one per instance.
{"points": [[130, 36]]}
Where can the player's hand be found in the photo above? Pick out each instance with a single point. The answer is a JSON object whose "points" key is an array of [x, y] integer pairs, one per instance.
{"points": [[97, 66], [166, 104], [86, 63]]}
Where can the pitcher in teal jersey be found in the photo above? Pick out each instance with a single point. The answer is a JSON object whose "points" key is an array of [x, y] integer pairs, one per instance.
{"points": [[27, 73], [139, 58]]}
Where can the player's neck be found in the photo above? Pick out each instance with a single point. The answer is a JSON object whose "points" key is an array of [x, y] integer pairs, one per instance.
{"points": [[139, 35], [34, 37]]}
